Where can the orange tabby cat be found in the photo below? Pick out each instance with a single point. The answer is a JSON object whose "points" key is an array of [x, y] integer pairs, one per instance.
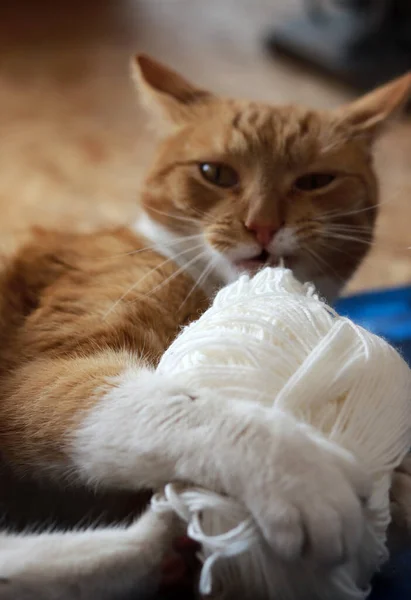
{"points": [[84, 320]]}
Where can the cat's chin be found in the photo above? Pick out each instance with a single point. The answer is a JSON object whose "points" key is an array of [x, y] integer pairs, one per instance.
{"points": [[256, 263]]}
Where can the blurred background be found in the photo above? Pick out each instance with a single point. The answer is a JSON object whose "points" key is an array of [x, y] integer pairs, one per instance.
{"points": [[74, 142]]}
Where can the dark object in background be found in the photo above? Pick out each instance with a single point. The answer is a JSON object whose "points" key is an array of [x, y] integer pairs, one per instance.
{"points": [[176, 594], [394, 581], [364, 43]]}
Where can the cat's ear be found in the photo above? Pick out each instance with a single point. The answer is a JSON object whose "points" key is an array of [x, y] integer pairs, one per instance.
{"points": [[165, 93], [368, 115]]}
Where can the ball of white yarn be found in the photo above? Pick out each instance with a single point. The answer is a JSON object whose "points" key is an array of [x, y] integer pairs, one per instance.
{"points": [[271, 340]]}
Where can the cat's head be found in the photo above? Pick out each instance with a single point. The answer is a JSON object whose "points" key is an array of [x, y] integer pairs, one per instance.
{"points": [[248, 183]]}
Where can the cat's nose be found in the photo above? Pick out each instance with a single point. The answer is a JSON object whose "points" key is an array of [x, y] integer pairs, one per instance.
{"points": [[263, 233]]}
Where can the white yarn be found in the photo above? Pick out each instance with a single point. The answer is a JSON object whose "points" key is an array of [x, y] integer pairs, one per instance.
{"points": [[271, 340]]}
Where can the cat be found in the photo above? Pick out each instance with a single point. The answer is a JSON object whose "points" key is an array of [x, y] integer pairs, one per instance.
{"points": [[84, 319]]}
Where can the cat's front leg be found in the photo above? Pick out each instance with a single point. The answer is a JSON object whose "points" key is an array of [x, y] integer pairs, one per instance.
{"points": [[105, 563], [148, 430]]}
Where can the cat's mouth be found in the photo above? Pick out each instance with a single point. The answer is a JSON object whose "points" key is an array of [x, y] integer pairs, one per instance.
{"points": [[264, 259]]}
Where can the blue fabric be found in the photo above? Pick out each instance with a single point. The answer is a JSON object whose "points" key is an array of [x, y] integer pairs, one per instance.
{"points": [[388, 314]]}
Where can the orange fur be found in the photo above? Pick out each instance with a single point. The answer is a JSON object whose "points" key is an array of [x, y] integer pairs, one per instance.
{"points": [[67, 321], [56, 327]]}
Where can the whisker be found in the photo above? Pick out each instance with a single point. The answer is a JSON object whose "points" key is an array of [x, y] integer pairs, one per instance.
{"points": [[313, 256], [186, 238], [328, 246], [200, 280], [377, 239], [202, 215], [172, 216], [327, 265], [132, 287], [340, 226], [338, 213], [307, 231], [348, 238], [176, 273], [154, 247]]}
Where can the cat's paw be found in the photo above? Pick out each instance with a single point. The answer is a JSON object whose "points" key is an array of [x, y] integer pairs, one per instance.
{"points": [[309, 499]]}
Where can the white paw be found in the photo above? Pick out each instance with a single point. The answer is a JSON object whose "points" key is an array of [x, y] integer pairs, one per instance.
{"points": [[306, 494], [309, 500]]}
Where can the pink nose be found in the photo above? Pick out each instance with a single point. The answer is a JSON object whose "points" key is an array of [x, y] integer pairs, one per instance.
{"points": [[263, 233]]}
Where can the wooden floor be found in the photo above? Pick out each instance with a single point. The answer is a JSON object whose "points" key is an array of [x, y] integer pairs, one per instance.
{"points": [[74, 142]]}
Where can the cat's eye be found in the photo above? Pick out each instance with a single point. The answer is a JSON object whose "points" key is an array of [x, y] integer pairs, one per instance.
{"points": [[313, 181], [219, 174]]}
